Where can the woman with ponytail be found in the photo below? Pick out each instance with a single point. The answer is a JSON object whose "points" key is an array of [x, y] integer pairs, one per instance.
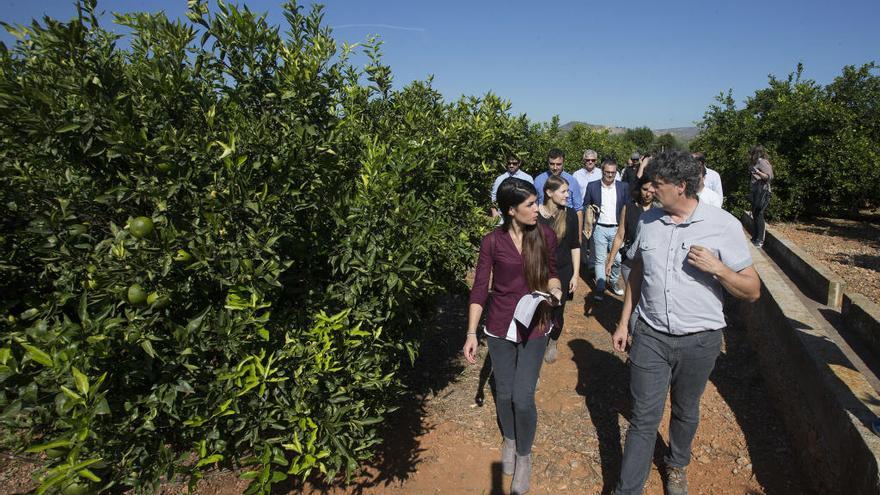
{"points": [[520, 258], [564, 222]]}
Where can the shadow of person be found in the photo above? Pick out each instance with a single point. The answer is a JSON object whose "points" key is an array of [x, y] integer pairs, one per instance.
{"points": [[485, 373], [740, 384], [497, 480], [603, 380]]}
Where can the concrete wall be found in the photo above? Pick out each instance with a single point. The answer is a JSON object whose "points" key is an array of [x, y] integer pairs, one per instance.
{"points": [[862, 316], [825, 403], [820, 282]]}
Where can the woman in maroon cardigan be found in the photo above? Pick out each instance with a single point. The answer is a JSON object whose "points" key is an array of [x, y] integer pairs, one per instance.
{"points": [[520, 256]]}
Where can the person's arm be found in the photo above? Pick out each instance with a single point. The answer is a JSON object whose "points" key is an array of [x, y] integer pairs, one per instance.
{"points": [[744, 284], [587, 227], [575, 243], [479, 295], [475, 311], [554, 285], [580, 217], [618, 241], [632, 291], [643, 162]]}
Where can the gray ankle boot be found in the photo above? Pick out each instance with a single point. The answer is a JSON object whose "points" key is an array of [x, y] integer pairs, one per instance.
{"points": [[522, 475], [508, 451], [550, 353]]}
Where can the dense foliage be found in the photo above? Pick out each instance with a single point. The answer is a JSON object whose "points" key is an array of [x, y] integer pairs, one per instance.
{"points": [[218, 242], [824, 142]]}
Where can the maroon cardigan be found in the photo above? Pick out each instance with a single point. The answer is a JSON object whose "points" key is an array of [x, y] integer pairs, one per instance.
{"points": [[499, 257]]}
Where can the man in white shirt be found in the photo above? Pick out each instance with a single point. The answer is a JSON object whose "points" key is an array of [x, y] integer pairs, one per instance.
{"points": [[603, 204], [584, 175], [705, 194], [513, 170], [712, 178]]}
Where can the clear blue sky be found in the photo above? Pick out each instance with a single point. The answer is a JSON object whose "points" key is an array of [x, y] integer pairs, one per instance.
{"points": [[633, 63]]}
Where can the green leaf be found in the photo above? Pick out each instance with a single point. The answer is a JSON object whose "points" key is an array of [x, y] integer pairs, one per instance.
{"points": [[70, 393], [85, 473], [38, 355], [46, 446], [66, 128], [102, 407], [82, 381], [147, 346], [211, 459]]}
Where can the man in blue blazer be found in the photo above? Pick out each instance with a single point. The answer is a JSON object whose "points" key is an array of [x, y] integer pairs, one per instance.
{"points": [[603, 203]]}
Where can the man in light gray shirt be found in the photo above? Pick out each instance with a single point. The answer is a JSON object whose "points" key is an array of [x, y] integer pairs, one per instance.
{"points": [[685, 255]]}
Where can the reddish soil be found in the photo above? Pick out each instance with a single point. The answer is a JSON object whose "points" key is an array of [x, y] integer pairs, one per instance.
{"points": [[442, 442], [849, 248]]}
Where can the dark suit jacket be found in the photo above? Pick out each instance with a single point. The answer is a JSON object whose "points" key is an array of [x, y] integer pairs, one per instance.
{"points": [[594, 196]]}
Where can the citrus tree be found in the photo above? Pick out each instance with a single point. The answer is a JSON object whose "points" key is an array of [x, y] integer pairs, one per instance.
{"points": [[220, 241]]}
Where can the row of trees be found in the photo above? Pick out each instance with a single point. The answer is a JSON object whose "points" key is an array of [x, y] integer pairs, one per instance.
{"points": [[824, 142]]}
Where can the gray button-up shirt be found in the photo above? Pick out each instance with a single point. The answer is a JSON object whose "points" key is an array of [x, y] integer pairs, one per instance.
{"points": [[678, 298]]}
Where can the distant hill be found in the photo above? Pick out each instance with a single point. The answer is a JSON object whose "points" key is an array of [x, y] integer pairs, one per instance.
{"points": [[682, 133]]}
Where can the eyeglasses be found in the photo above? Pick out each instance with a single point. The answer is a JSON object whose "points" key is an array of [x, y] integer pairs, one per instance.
{"points": [[512, 163], [609, 173], [592, 160]]}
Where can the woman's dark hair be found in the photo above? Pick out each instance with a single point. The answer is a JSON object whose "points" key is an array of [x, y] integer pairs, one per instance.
{"points": [[511, 193], [676, 167], [637, 187], [554, 182], [756, 153]]}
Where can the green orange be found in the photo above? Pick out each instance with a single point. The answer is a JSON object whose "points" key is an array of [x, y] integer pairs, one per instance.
{"points": [[141, 227], [136, 294]]}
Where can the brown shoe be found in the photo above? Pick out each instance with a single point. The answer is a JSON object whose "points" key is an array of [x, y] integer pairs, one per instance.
{"points": [[676, 481]]}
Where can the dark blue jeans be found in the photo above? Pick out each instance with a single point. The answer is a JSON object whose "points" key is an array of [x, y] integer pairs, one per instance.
{"points": [[661, 363]]}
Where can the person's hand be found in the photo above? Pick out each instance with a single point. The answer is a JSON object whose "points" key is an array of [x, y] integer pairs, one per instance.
{"points": [[588, 232], [573, 285], [556, 300], [618, 339], [470, 349], [705, 260], [608, 265]]}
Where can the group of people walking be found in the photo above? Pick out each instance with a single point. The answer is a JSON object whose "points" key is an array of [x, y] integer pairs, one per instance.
{"points": [[660, 225]]}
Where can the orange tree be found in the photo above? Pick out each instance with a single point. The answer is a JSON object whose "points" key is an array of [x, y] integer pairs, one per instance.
{"points": [[823, 142], [219, 243]]}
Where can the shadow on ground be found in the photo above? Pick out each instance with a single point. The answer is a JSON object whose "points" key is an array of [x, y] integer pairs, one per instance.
{"points": [[742, 386]]}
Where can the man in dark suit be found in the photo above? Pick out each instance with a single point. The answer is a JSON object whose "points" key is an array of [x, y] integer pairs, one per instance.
{"points": [[603, 203]]}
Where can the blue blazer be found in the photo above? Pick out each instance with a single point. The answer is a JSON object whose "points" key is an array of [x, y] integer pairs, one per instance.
{"points": [[594, 195]]}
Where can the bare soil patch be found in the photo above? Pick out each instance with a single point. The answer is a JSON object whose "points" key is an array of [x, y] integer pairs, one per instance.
{"points": [[849, 248]]}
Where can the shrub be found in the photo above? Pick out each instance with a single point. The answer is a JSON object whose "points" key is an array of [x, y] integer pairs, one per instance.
{"points": [[219, 242]]}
